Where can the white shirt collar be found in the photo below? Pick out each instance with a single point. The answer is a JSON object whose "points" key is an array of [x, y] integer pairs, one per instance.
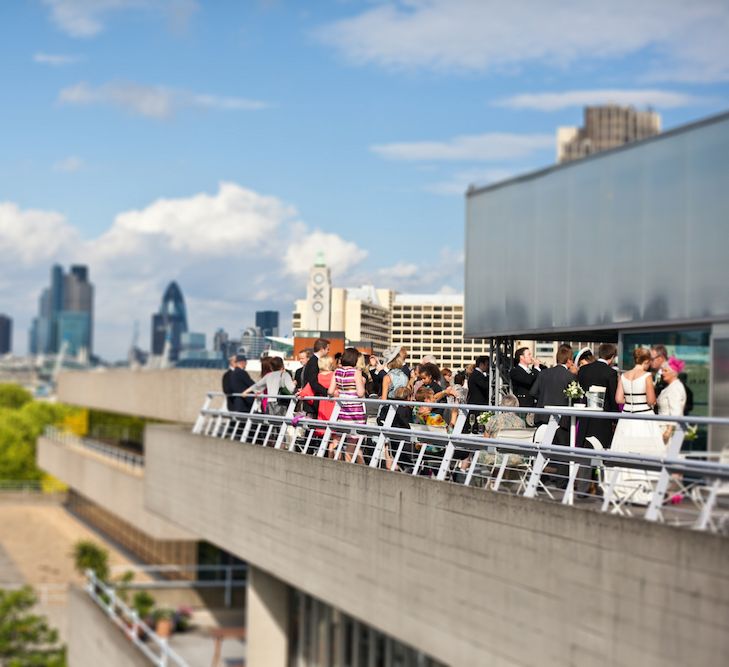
{"points": [[525, 367]]}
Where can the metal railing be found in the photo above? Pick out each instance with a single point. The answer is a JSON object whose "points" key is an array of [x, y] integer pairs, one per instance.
{"points": [[46, 594], [159, 574], [154, 647], [118, 454], [661, 486]]}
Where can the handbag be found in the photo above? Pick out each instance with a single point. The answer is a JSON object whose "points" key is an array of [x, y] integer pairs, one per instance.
{"points": [[284, 391]]}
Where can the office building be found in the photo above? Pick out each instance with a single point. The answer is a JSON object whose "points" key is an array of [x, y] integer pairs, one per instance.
{"points": [[605, 127], [379, 318], [669, 190], [362, 313], [267, 322], [65, 314], [6, 334], [433, 324], [169, 323]]}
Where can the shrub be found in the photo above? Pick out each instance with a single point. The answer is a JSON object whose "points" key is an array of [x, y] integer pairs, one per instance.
{"points": [[88, 555]]}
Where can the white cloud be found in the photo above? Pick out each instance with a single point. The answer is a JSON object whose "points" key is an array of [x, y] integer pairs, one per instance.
{"points": [[671, 39], [664, 99], [339, 254], [475, 147], [232, 251], [152, 101], [55, 59], [87, 18], [460, 182], [68, 165], [30, 236]]}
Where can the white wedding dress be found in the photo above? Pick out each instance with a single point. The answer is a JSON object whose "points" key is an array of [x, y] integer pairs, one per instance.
{"points": [[636, 436]]}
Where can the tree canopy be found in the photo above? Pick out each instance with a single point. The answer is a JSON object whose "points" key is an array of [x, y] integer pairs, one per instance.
{"points": [[22, 420], [26, 639]]}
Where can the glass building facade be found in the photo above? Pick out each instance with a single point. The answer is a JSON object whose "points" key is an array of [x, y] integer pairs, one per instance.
{"points": [[633, 237], [628, 246], [65, 314]]}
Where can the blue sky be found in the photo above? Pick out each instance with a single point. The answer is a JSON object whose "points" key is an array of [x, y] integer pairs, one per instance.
{"points": [[221, 144]]}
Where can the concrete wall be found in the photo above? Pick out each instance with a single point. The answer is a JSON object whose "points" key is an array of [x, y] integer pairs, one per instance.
{"points": [[468, 576], [171, 395], [267, 620], [94, 640], [114, 487]]}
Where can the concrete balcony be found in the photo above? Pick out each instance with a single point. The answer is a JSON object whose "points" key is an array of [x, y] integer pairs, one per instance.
{"points": [[173, 395], [112, 483], [468, 576]]}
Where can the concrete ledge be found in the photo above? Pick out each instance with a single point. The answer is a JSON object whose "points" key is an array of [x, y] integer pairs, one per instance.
{"points": [[94, 639], [174, 395], [110, 485], [468, 576]]}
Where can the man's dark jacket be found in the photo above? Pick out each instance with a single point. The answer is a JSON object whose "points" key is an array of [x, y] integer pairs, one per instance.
{"points": [[548, 389], [478, 388], [239, 382], [521, 383], [600, 374]]}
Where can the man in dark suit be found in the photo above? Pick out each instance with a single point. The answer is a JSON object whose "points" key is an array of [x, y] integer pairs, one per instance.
{"points": [[601, 373], [310, 376], [659, 356], [548, 389], [227, 378], [239, 382], [478, 389], [304, 357], [523, 375], [478, 382]]}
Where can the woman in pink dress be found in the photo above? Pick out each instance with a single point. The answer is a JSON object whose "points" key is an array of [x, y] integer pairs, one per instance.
{"points": [[348, 381]]}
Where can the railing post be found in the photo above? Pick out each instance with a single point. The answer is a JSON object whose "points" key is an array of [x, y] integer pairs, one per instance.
{"points": [[540, 461], [653, 512], [134, 630], [285, 424], [381, 439], [228, 586], [200, 421], [328, 432]]}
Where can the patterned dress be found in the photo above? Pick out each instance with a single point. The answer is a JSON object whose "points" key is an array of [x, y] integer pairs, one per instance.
{"points": [[349, 411]]}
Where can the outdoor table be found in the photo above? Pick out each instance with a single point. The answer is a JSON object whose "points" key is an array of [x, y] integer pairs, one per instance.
{"points": [[221, 634]]}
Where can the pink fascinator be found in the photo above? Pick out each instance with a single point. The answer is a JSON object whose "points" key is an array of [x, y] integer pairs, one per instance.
{"points": [[676, 364]]}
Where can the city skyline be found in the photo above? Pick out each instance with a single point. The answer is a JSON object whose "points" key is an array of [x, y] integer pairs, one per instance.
{"points": [[234, 143]]}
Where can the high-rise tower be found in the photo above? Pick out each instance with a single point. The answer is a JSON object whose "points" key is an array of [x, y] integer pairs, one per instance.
{"points": [[169, 323]]}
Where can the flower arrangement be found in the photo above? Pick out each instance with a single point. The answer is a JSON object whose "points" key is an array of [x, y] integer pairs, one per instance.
{"points": [[692, 432], [574, 390], [484, 417]]}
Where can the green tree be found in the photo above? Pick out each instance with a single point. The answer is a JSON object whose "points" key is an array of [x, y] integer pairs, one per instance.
{"points": [[20, 425], [13, 396], [26, 639]]}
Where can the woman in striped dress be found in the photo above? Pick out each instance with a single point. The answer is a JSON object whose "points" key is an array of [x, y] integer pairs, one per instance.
{"points": [[348, 381]]}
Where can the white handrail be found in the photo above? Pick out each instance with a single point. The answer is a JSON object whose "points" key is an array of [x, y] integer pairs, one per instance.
{"points": [[659, 473], [128, 620]]}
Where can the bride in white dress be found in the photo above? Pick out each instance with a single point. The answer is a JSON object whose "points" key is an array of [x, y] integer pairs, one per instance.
{"points": [[637, 394]]}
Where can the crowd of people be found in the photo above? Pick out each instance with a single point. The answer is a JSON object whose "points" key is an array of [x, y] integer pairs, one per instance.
{"points": [[652, 384]]}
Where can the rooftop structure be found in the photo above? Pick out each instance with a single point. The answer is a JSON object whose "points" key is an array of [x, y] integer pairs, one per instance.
{"points": [[605, 127], [632, 249]]}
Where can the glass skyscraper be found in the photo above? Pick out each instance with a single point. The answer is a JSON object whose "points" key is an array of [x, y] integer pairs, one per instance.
{"points": [[169, 323], [65, 314]]}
